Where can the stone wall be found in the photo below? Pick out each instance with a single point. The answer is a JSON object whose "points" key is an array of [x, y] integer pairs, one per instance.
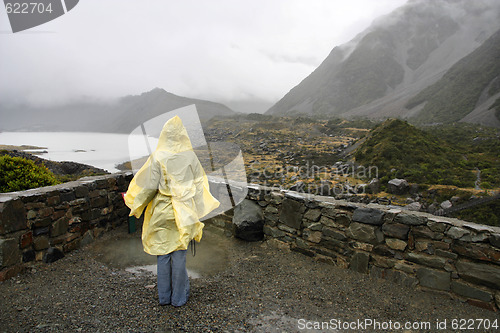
{"points": [[45, 223], [446, 255], [420, 250]]}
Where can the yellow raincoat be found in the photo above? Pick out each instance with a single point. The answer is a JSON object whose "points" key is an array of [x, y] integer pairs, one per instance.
{"points": [[173, 187]]}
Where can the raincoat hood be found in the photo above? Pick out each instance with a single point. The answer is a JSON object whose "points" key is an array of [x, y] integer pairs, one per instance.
{"points": [[174, 137], [171, 186]]}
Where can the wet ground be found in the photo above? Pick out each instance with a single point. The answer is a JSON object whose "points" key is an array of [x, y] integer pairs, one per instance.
{"points": [[125, 252], [235, 287]]}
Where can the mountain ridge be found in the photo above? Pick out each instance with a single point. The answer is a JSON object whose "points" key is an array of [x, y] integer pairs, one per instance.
{"points": [[400, 54], [120, 116]]}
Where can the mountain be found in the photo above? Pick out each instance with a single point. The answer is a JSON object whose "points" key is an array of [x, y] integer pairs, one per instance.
{"points": [[398, 56], [120, 116], [467, 90]]}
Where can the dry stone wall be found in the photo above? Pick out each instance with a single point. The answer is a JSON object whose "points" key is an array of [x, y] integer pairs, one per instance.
{"points": [[44, 223], [420, 250], [446, 255]]}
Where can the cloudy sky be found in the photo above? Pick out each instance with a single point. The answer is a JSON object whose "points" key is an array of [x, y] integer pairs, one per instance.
{"points": [[228, 51]]}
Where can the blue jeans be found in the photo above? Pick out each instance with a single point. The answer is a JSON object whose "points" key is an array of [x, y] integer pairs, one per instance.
{"points": [[173, 280]]}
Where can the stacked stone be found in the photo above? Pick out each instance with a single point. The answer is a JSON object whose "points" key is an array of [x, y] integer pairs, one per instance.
{"points": [[45, 223], [446, 255]]}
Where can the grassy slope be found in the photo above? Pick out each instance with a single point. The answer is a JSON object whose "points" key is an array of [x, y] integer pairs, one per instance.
{"points": [[401, 150]]}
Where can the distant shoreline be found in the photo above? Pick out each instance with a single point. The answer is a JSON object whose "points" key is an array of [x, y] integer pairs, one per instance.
{"points": [[21, 147]]}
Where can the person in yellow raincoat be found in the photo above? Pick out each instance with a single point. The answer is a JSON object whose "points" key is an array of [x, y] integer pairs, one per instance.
{"points": [[172, 189]]}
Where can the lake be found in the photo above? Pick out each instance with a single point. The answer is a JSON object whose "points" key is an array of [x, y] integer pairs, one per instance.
{"points": [[102, 150]]}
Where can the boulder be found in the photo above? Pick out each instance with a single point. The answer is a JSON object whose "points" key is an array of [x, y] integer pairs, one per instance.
{"points": [[414, 206], [248, 221], [398, 186], [446, 204]]}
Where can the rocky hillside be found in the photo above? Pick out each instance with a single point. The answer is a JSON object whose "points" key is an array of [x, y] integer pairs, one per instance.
{"points": [[400, 150], [121, 116], [472, 84], [382, 68]]}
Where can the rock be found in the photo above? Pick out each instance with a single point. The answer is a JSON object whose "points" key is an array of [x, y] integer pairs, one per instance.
{"points": [[383, 250], [53, 254], [495, 240], [248, 220], [312, 236], [273, 232], [396, 244], [59, 227], [437, 226], [497, 299], [396, 230], [368, 216], [384, 262], [488, 275], [414, 206], [291, 213], [394, 276], [446, 204], [446, 254], [426, 260], [432, 208], [313, 214], [365, 233], [9, 252], [465, 290], [432, 278], [397, 186], [410, 219], [40, 243], [12, 216], [477, 238], [332, 233], [88, 238], [425, 232], [359, 262], [476, 251], [405, 266]]}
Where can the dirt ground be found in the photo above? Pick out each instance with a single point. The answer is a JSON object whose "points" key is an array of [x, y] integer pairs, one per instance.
{"points": [[256, 288]]}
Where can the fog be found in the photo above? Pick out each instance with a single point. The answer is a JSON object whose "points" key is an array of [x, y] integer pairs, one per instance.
{"points": [[246, 54]]}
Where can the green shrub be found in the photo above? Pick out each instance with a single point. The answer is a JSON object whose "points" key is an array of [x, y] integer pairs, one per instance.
{"points": [[19, 174]]}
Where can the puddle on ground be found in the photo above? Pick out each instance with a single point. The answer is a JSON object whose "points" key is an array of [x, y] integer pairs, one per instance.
{"points": [[126, 253]]}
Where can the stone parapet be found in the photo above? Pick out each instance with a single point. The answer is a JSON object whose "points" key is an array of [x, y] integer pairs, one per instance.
{"points": [[58, 217], [458, 258], [446, 255]]}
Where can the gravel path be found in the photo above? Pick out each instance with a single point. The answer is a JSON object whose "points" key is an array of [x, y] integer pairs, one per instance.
{"points": [[262, 289]]}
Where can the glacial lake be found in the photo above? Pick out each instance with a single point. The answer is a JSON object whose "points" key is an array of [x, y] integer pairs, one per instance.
{"points": [[102, 150]]}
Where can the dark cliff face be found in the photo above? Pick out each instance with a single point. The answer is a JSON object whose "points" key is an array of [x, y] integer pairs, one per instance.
{"points": [[394, 59]]}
